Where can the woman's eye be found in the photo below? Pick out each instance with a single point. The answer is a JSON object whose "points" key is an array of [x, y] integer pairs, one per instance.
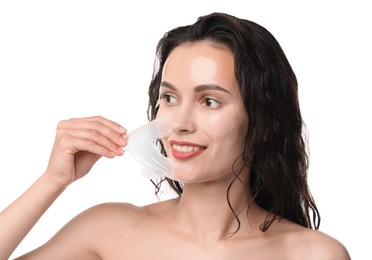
{"points": [[168, 98], [211, 103]]}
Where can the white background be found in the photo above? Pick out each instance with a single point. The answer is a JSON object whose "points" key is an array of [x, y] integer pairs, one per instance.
{"points": [[62, 59]]}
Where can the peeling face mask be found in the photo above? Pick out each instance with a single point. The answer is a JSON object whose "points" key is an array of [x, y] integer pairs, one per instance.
{"points": [[142, 146]]}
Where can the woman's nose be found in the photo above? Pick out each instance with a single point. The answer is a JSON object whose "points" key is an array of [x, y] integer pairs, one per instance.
{"points": [[183, 120]]}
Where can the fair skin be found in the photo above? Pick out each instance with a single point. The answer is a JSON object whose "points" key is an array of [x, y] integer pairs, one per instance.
{"points": [[199, 88]]}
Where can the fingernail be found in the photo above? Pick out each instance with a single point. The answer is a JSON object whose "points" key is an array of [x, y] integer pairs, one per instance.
{"points": [[120, 151], [122, 129], [123, 141]]}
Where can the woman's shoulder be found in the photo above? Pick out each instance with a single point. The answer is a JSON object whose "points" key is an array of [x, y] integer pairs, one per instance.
{"points": [[114, 213], [123, 214], [104, 219], [113, 209], [313, 244], [99, 230]]}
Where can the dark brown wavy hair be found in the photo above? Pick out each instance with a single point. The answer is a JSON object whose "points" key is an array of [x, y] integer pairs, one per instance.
{"points": [[276, 132]]}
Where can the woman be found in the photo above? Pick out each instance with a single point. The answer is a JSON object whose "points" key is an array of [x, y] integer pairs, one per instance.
{"points": [[236, 148]]}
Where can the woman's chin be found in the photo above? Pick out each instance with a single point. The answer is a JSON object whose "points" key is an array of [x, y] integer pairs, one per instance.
{"points": [[185, 173]]}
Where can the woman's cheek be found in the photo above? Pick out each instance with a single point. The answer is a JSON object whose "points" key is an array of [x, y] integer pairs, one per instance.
{"points": [[223, 123]]}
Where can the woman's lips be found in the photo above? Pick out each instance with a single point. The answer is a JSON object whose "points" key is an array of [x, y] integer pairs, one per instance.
{"points": [[185, 150]]}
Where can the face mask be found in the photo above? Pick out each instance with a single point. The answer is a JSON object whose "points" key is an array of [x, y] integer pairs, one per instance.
{"points": [[142, 146]]}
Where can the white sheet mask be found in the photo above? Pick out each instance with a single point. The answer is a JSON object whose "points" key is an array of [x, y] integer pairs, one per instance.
{"points": [[142, 146]]}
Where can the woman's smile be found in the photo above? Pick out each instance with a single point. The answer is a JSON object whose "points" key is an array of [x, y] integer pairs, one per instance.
{"points": [[182, 150]]}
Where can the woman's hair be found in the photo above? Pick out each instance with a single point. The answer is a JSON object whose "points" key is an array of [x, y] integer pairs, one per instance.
{"points": [[274, 150]]}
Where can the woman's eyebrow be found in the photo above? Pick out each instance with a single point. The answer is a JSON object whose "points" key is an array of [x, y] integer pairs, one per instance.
{"points": [[198, 88], [205, 87], [167, 85]]}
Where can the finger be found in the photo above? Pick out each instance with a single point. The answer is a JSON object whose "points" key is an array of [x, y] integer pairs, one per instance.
{"points": [[74, 145], [103, 120], [92, 147], [97, 138], [107, 131]]}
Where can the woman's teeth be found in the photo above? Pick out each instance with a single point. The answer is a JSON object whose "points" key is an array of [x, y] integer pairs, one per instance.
{"points": [[185, 148]]}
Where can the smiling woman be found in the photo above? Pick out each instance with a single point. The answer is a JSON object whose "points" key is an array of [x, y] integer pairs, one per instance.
{"points": [[236, 147], [201, 91]]}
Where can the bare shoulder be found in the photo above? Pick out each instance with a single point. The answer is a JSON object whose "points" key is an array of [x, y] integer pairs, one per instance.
{"points": [[112, 212], [124, 213], [326, 246], [106, 219], [102, 217], [314, 244], [89, 234]]}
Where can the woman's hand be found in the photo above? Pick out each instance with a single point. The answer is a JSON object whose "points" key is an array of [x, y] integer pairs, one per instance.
{"points": [[79, 143]]}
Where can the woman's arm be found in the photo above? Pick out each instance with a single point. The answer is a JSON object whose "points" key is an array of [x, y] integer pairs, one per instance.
{"points": [[78, 145], [18, 218]]}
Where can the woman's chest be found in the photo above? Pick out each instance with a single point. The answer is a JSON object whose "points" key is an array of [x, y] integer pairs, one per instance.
{"points": [[161, 245]]}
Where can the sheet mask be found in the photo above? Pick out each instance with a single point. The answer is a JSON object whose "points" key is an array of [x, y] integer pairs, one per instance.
{"points": [[142, 146]]}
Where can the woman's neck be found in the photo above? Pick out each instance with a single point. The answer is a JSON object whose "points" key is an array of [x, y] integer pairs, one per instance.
{"points": [[204, 211]]}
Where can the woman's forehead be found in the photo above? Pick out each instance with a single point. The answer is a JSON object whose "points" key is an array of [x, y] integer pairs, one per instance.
{"points": [[200, 63]]}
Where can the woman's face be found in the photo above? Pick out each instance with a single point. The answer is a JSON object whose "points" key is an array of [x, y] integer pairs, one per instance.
{"points": [[200, 93]]}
